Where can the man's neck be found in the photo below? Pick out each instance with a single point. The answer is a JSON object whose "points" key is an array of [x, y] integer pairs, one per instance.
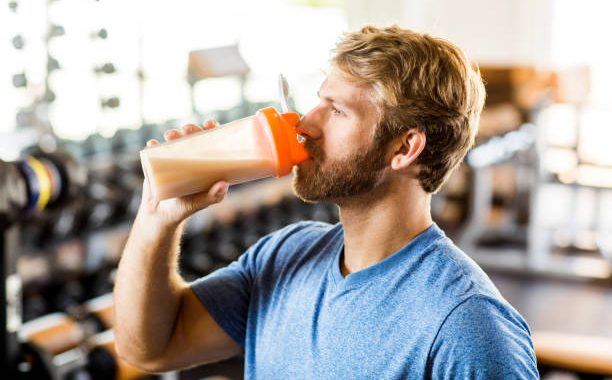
{"points": [[379, 227]]}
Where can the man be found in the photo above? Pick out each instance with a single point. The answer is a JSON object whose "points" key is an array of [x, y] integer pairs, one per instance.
{"points": [[381, 295]]}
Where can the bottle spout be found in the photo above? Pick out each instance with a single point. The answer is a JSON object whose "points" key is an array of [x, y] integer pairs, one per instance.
{"points": [[288, 144], [295, 141]]}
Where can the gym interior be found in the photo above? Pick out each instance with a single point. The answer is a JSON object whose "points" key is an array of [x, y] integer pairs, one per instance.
{"points": [[85, 84]]}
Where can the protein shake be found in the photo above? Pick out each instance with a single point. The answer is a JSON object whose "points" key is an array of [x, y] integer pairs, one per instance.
{"points": [[263, 145]]}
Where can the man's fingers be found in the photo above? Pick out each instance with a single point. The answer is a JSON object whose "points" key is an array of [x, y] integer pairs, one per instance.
{"points": [[190, 128], [172, 134], [204, 199], [209, 124], [218, 190]]}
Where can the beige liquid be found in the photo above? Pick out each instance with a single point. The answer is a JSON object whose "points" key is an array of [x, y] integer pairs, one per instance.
{"points": [[172, 177]]}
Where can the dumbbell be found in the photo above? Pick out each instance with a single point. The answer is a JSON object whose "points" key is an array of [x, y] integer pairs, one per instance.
{"points": [[103, 363], [54, 179], [49, 348], [96, 315], [54, 348], [53, 333], [37, 182]]}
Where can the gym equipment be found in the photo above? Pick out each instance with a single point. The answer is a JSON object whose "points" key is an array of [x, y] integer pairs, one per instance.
{"points": [[97, 314], [216, 62], [28, 186], [103, 363], [107, 68], [48, 348], [112, 102], [20, 80], [18, 42]]}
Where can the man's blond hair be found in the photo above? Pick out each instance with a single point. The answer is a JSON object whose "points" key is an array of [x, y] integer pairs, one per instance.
{"points": [[419, 82]]}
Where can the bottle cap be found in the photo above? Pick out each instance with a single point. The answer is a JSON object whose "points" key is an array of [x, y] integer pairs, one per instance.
{"points": [[289, 146]]}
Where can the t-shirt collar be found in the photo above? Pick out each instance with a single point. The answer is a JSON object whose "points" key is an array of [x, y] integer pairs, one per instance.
{"points": [[408, 252]]}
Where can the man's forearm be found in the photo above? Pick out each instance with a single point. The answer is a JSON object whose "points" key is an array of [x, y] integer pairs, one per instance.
{"points": [[147, 290]]}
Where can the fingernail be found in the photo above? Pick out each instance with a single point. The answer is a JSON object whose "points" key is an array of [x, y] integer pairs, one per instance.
{"points": [[221, 190]]}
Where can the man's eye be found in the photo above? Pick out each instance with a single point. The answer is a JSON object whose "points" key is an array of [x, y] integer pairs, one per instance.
{"points": [[336, 111]]}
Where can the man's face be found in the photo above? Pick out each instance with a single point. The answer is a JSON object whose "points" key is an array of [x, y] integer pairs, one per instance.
{"points": [[346, 160]]}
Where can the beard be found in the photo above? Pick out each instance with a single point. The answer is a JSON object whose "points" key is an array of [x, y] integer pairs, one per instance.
{"points": [[321, 179]]}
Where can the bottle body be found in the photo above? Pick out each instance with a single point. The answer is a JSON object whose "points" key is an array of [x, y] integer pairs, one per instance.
{"points": [[237, 152]]}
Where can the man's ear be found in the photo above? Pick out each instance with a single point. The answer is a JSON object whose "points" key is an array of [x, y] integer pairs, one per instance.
{"points": [[408, 149]]}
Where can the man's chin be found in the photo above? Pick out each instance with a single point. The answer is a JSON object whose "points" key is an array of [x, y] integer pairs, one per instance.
{"points": [[304, 170], [300, 189]]}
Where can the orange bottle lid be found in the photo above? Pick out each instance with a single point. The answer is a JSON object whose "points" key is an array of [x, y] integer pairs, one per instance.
{"points": [[288, 145]]}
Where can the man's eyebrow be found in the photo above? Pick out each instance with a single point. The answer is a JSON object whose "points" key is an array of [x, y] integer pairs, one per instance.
{"points": [[336, 101]]}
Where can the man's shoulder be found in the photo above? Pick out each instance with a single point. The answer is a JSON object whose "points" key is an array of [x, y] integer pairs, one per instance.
{"points": [[295, 239], [474, 317], [457, 273], [444, 277]]}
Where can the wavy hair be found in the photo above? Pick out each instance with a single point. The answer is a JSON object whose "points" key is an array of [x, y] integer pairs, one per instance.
{"points": [[420, 82]]}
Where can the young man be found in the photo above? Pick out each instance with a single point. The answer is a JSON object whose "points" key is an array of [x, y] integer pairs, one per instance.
{"points": [[381, 295]]}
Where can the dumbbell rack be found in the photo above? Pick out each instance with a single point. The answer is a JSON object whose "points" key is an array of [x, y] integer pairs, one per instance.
{"points": [[12, 350]]}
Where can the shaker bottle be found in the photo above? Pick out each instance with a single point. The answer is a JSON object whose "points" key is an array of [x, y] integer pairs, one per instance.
{"points": [[263, 145]]}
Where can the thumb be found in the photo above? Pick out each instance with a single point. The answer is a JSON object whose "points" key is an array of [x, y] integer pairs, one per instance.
{"points": [[215, 195]]}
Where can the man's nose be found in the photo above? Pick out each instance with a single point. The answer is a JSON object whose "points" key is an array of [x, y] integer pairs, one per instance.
{"points": [[309, 125]]}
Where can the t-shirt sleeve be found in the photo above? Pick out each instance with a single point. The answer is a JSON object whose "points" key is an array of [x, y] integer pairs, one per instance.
{"points": [[483, 338], [226, 292]]}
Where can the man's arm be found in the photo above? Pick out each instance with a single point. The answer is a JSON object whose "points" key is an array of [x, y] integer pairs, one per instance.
{"points": [[160, 324]]}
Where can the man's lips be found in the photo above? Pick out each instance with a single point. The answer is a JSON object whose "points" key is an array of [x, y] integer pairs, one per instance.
{"points": [[307, 162], [309, 159]]}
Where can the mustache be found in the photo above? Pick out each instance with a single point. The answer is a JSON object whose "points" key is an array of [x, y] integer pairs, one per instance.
{"points": [[314, 150]]}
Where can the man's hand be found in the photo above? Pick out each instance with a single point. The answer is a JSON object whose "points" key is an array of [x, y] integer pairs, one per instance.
{"points": [[173, 211]]}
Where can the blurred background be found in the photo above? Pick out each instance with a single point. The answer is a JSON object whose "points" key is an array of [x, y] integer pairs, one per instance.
{"points": [[84, 85]]}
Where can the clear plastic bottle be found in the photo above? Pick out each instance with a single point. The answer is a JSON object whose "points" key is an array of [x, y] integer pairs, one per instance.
{"points": [[263, 145]]}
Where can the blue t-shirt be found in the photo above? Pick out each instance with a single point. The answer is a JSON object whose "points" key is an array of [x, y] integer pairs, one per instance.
{"points": [[425, 312]]}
